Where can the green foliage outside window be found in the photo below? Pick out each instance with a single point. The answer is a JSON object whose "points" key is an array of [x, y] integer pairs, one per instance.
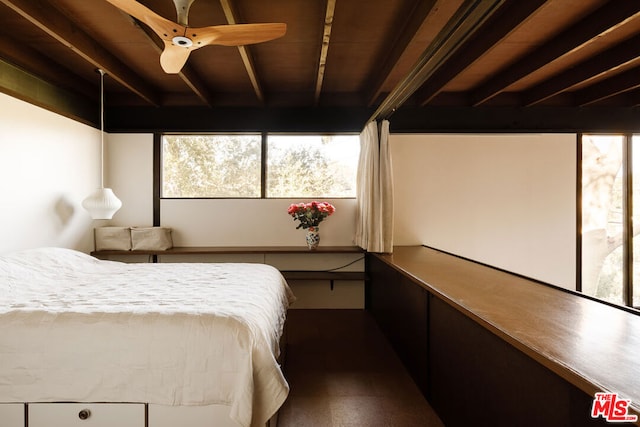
{"points": [[230, 166], [211, 166], [312, 166]]}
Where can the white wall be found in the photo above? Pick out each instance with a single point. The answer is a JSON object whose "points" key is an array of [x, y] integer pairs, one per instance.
{"points": [[246, 222], [505, 200], [129, 169], [211, 222], [48, 165]]}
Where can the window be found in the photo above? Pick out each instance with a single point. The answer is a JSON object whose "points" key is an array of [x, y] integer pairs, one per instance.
{"points": [[211, 166], [259, 165], [635, 221], [610, 250], [312, 166]]}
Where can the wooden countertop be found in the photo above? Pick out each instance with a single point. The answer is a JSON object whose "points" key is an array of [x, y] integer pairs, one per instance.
{"points": [[594, 346]]}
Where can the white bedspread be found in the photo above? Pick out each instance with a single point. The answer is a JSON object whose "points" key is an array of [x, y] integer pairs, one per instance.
{"points": [[74, 328]]}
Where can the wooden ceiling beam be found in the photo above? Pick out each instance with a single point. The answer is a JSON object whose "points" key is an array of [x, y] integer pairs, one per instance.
{"points": [[324, 49], [33, 89], [27, 58], [628, 99], [415, 20], [196, 84], [601, 64], [497, 28], [460, 28], [587, 31], [245, 54], [620, 83], [57, 26], [518, 120], [634, 98]]}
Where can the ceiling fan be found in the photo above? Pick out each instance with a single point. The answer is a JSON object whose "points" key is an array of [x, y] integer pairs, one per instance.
{"points": [[180, 39]]}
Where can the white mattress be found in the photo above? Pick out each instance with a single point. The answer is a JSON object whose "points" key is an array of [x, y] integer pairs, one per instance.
{"points": [[75, 328]]}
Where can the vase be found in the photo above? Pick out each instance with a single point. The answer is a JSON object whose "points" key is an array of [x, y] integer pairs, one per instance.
{"points": [[313, 238]]}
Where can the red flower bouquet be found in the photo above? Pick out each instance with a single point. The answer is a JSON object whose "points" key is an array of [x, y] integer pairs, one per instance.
{"points": [[310, 214]]}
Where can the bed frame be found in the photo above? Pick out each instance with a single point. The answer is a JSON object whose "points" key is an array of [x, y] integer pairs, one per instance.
{"points": [[121, 414], [71, 414], [42, 409]]}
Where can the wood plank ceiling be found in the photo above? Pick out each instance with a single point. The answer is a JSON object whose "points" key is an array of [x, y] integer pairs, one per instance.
{"points": [[379, 56]]}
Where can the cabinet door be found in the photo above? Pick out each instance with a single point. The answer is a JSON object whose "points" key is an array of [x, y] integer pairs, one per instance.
{"points": [[479, 379], [400, 306], [381, 293], [86, 415], [12, 414]]}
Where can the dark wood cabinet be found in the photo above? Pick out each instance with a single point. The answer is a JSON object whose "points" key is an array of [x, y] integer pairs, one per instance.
{"points": [[401, 309], [472, 371], [479, 379]]}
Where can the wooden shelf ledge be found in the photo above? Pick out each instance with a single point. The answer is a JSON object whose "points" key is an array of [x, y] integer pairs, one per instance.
{"points": [[331, 276], [208, 250], [323, 275]]}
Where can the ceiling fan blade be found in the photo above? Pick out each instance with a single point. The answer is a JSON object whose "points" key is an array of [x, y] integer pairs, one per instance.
{"points": [[173, 57], [236, 34], [164, 28], [179, 40]]}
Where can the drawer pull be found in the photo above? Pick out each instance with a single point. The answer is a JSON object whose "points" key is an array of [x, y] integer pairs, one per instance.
{"points": [[84, 414]]}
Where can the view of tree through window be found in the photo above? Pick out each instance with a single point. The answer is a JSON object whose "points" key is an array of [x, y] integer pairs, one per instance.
{"points": [[635, 164], [312, 166], [608, 186], [218, 166], [211, 165], [602, 221]]}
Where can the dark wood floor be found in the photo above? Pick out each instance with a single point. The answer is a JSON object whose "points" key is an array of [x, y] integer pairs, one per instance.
{"points": [[343, 372]]}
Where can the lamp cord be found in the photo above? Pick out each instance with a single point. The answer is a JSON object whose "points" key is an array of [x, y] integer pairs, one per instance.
{"points": [[101, 127]]}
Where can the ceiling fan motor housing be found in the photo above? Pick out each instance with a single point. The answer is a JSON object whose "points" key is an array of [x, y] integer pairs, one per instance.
{"points": [[182, 41]]}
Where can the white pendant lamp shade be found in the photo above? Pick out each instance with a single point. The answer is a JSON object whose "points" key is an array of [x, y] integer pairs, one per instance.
{"points": [[102, 204]]}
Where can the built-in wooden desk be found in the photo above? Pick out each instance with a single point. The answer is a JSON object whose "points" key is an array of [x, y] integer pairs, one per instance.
{"points": [[288, 274], [488, 346]]}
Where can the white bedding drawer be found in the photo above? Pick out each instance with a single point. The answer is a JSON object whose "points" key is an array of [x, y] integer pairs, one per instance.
{"points": [[11, 414], [98, 415]]}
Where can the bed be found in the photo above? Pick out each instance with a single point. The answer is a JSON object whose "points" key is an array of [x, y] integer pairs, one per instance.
{"points": [[172, 337]]}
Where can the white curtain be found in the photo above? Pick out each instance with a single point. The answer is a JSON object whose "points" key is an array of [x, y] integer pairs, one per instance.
{"points": [[374, 227]]}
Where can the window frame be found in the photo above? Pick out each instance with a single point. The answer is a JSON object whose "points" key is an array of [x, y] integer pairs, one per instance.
{"points": [[627, 217], [158, 164]]}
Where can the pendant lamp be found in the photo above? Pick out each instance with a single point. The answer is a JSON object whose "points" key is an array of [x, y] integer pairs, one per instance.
{"points": [[102, 203]]}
